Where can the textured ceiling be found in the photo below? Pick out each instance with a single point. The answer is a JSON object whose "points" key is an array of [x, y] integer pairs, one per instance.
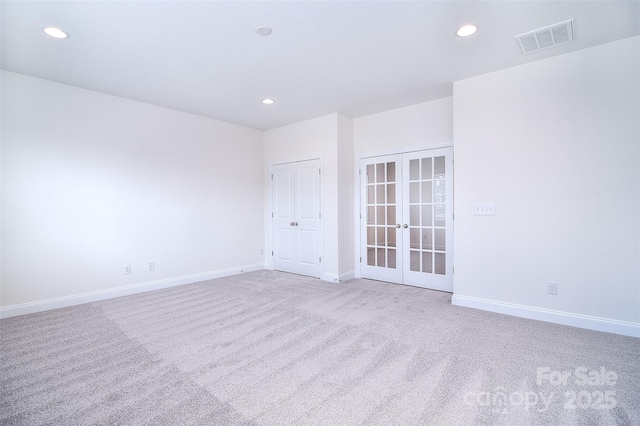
{"points": [[351, 57]]}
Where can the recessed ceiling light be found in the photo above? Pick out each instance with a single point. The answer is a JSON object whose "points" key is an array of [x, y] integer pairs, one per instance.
{"points": [[467, 30], [263, 30], [268, 101], [55, 32]]}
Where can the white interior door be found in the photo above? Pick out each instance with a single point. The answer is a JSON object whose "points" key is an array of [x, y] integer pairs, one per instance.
{"points": [[407, 218], [381, 215], [297, 243]]}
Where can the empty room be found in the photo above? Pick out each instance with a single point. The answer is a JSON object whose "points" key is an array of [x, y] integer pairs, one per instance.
{"points": [[320, 212]]}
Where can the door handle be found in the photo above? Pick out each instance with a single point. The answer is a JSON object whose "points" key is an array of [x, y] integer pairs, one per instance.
{"points": [[405, 226], [293, 223], [398, 225]]}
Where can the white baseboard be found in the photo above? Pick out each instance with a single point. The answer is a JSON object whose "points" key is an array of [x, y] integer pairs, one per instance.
{"points": [[338, 278], [94, 296], [558, 317]]}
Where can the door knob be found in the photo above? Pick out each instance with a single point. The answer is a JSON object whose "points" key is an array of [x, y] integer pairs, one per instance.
{"points": [[398, 225], [405, 226]]}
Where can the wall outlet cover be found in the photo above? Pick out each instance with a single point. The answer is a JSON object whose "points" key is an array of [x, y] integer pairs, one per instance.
{"points": [[484, 209]]}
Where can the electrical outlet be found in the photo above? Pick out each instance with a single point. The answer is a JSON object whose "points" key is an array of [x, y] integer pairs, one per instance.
{"points": [[127, 269], [152, 266], [552, 288]]}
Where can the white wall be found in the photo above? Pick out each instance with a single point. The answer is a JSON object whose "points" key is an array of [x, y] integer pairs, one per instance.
{"points": [[92, 182], [421, 126], [345, 198], [555, 144]]}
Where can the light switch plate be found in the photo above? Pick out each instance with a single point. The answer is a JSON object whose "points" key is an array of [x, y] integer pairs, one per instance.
{"points": [[485, 209]]}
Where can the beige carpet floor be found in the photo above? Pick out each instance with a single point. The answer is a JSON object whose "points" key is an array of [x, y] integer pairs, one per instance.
{"points": [[269, 348]]}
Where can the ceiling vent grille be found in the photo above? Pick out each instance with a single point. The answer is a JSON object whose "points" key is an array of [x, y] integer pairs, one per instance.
{"points": [[547, 37]]}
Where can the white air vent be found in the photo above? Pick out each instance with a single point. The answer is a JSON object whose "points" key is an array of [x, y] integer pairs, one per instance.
{"points": [[544, 38]]}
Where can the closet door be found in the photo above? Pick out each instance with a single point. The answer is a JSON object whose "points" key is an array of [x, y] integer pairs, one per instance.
{"points": [[296, 228], [407, 218]]}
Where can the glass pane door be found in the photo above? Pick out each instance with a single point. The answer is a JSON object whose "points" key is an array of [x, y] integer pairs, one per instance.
{"points": [[380, 218], [428, 197], [407, 218]]}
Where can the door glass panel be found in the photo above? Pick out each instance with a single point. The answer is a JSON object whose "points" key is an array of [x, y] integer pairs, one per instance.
{"points": [[391, 193], [371, 215], [381, 237], [391, 237], [427, 239], [391, 258], [371, 256], [439, 237], [380, 220], [414, 261], [380, 172], [381, 257], [440, 194], [370, 175], [391, 215], [427, 262], [380, 191], [415, 238], [414, 192], [427, 216], [371, 236], [439, 219], [438, 167], [414, 216], [414, 169], [441, 267], [427, 192], [391, 172], [426, 168], [371, 194]]}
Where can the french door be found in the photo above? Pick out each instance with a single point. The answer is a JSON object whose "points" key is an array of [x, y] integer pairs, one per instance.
{"points": [[407, 218], [296, 227]]}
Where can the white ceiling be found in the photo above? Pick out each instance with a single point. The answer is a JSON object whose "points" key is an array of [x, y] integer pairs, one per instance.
{"points": [[351, 57]]}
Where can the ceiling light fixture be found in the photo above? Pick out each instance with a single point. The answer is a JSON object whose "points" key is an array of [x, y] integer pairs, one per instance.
{"points": [[466, 30], [268, 101], [263, 30], [55, 32]]}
